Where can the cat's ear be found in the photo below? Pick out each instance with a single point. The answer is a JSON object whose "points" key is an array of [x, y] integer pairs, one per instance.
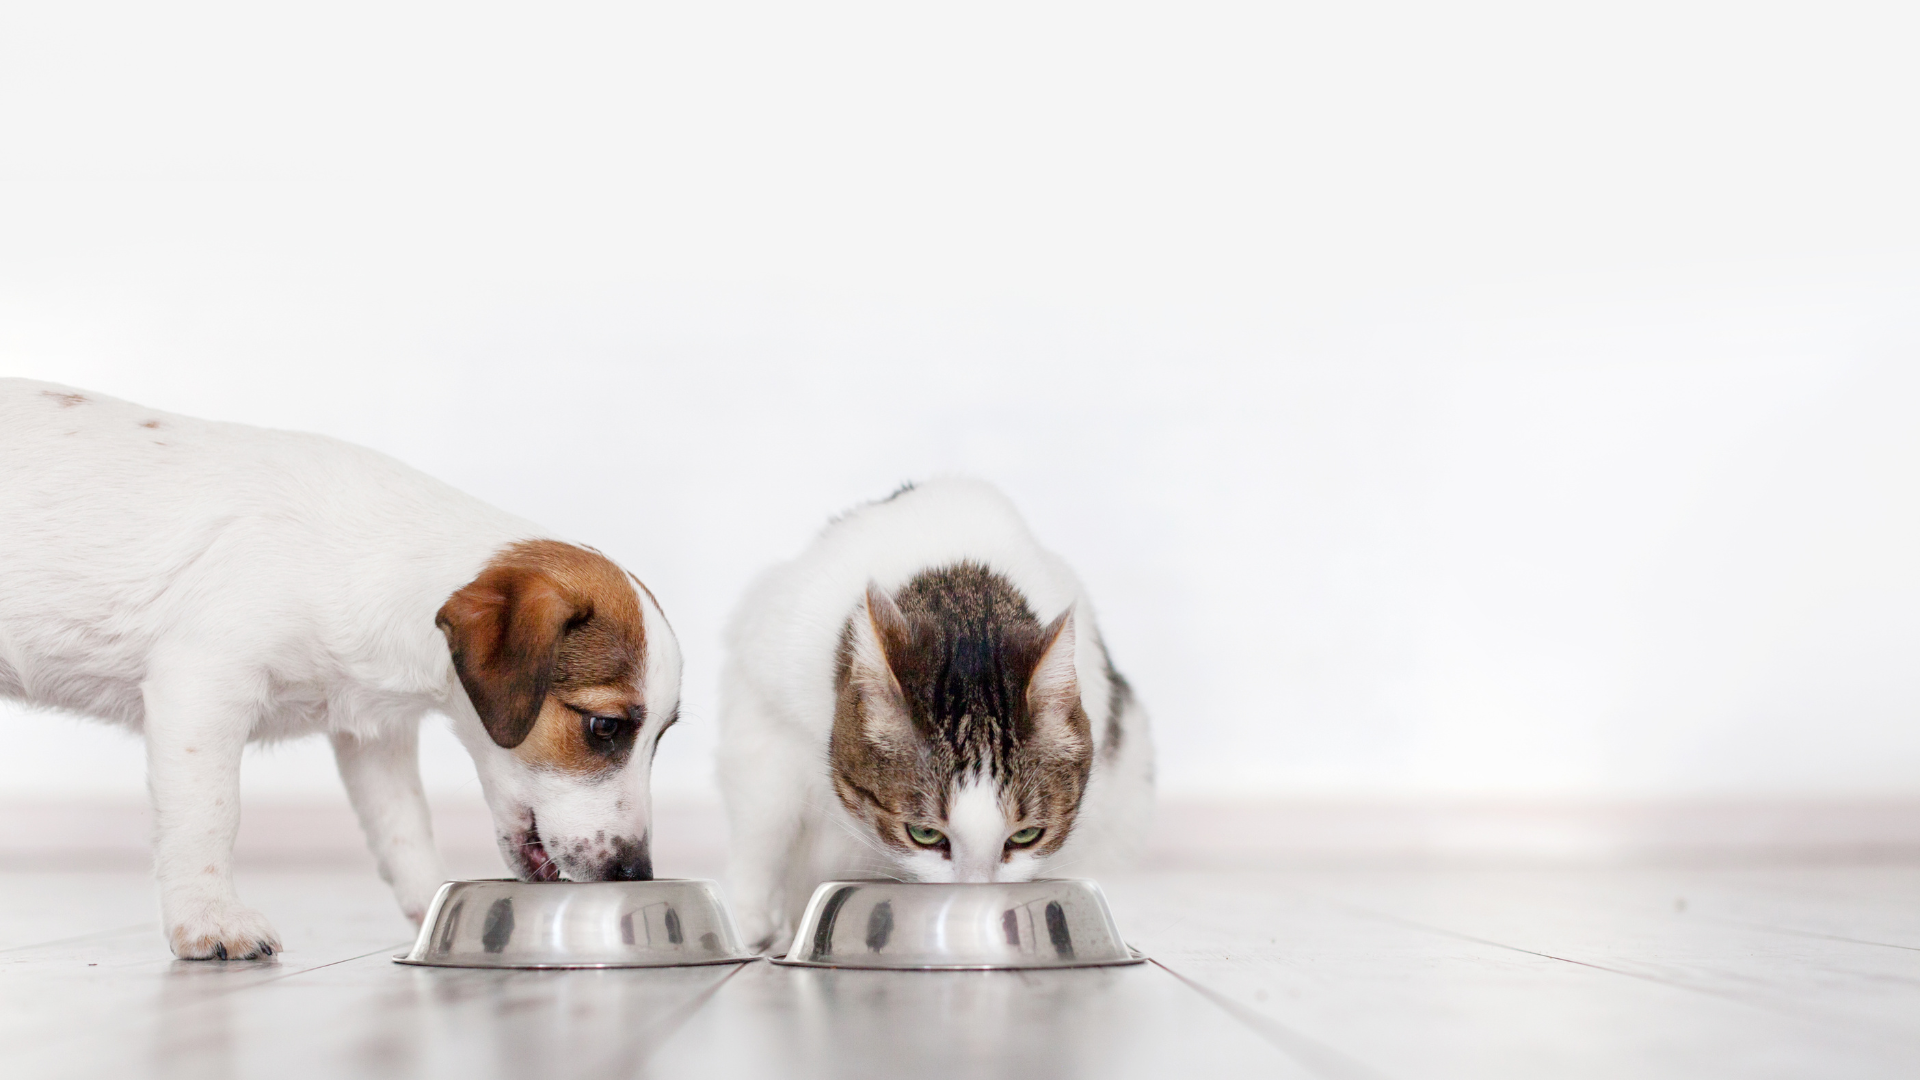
{"points": [[880, 637], [1053, 693]]}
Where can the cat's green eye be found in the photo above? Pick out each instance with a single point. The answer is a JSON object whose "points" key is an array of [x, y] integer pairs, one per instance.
{"points": [[1025, 836], [925, 835]]}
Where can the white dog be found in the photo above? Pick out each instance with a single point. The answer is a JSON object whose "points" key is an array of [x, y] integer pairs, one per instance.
{"points": [[211, 584], [923, 694]]}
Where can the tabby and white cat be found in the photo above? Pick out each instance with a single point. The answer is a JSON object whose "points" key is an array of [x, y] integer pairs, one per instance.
{"points": [[923, 694]]}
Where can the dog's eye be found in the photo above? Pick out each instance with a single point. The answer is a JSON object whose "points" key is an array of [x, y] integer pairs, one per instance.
{"points": [[604, 728], [925, 835], [1025, 836]]}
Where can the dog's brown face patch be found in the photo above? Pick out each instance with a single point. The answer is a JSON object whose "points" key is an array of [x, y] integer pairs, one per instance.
{"points": [[550, 645], [575, 739]]}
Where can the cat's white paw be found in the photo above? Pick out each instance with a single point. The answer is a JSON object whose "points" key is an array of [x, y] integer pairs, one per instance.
{"points": [[775, 943], [222, 931], [765, 934], [755, 930]]}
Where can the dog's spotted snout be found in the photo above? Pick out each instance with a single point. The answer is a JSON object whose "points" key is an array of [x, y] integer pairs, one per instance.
{"points": [[630, 861]]}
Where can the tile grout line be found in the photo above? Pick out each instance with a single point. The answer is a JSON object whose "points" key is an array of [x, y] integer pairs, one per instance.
{"points": [[1309, 1054], [1761, 1003], [76, 938], [328, 964], [220, 992], [215, 993], [679, 1017], [1806, 933]]}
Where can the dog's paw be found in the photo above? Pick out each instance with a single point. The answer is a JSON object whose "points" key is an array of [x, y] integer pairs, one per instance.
{"points": [[226, 933], [416, 901], [415, 910], [415, 882]]}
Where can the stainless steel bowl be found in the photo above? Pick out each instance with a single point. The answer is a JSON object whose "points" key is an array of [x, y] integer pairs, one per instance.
{"points": [[1051, 923], [584, 924]]}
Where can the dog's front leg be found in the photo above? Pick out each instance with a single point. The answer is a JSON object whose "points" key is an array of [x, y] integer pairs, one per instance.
{"points": [[195, 736], [382, 775]]}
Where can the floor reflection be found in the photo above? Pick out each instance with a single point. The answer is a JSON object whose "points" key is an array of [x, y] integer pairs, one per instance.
{"points": [[1043, 1023], [813, 1022], [480, 1023], [194, 1037]]}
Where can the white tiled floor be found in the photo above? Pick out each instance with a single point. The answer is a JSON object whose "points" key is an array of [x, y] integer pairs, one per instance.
{"points": [[1475, 973], [1414, 972]]}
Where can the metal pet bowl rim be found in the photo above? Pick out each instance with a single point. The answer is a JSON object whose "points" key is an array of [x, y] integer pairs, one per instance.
{"points": [[1134, 955], [406, 958]]}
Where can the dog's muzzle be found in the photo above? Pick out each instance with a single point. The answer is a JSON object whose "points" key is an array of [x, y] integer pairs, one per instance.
{"points": [[630, 861]]}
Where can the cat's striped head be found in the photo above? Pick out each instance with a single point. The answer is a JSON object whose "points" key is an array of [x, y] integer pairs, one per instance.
{"points": [[959, 742]]}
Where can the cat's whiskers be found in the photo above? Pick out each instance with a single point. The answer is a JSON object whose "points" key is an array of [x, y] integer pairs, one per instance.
{"points": [[866, 839], [1054, 868], [881, 861]]}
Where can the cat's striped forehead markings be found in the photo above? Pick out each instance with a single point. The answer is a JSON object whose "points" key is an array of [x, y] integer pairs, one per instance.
{"points": [[971, 645], [958, 709]]}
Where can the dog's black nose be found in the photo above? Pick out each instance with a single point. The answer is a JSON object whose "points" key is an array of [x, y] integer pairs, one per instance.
{"points": [[630, 862]]}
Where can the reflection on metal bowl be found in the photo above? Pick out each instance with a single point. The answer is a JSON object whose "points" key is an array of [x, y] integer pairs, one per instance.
{"points": [[899, 925], [586, 924]]}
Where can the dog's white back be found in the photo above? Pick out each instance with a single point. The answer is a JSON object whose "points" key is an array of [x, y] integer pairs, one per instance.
{"points": [[129, 529]]}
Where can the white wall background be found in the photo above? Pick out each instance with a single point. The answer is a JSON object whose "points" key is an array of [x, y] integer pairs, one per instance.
{"points": [[1471, 398]]}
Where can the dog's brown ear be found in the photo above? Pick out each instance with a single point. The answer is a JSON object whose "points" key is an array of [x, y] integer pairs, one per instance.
{"points": [[504, 629]]}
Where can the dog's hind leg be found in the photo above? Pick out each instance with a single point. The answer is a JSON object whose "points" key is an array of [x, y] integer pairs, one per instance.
{"points": [[196, 729], [382, 775]]}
